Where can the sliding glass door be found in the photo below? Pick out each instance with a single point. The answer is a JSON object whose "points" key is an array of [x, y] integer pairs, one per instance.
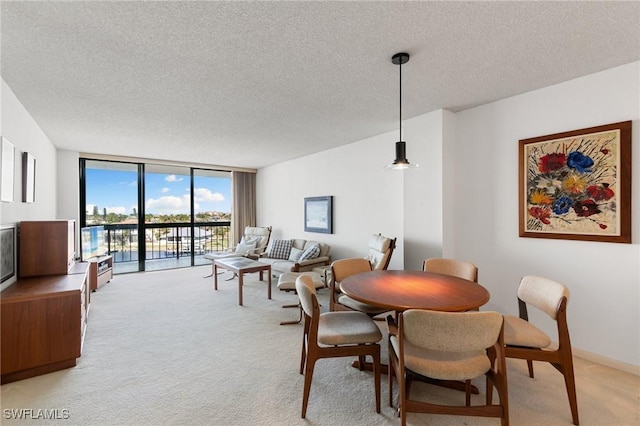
{"points": [[156, 216]]}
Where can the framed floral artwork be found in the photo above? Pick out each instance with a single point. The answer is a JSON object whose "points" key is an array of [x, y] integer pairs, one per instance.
{"points": [[577, 185]]}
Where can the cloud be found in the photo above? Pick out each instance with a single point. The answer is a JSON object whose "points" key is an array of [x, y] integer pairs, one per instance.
{"points": [[169, 204], [204, 194], [173, 178], [165, 190], [117, 210]]}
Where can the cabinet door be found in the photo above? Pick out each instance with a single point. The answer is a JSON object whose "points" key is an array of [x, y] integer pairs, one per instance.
{"points": [[40, 331]]}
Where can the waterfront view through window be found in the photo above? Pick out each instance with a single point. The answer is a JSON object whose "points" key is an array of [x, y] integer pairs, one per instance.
{"points": [[157, 216]]}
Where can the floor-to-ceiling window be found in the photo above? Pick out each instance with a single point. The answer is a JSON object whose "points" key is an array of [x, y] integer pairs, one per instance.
{"points": [[156, 216]]}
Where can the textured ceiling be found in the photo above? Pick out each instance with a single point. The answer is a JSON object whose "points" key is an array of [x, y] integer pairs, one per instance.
{"points": [[249, 84]]}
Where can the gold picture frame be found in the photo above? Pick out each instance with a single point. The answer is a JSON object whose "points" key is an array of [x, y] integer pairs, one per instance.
{"points": [[576, 185]]}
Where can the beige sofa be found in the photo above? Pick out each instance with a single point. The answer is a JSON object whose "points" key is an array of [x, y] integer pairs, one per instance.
{"points": [[283, 259]]}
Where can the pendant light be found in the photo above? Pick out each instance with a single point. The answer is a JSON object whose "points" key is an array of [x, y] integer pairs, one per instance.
{"points": [[401, 162]]}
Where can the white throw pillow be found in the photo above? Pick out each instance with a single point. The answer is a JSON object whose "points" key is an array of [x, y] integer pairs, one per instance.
{"points": [[249, 240], [295, 254], [245, 248]]}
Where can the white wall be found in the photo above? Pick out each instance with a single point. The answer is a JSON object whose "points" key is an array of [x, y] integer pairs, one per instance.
{"points": [[463, 202], [423, 189], [604, 278], [17, 125], [367, 199], [68, 181]]}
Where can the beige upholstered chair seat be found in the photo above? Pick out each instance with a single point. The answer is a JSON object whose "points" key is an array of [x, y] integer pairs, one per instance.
{"points": [[347, 328], [518, 332], [359, 306], [443, 365]]}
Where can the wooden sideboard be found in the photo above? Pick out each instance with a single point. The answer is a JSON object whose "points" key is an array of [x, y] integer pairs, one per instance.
{"points": [[43, 323]]}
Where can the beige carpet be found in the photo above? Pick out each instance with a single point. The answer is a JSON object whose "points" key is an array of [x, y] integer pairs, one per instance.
{"points": [[162, 348]]}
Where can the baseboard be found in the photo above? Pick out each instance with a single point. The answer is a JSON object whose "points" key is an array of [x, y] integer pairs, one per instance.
{"points": [[607, 362], [602, 360]]}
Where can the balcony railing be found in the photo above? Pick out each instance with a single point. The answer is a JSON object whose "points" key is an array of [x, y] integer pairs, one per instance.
{"points": [[167, 240]]}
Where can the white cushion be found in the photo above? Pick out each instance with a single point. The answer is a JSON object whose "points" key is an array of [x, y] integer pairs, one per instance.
{"points": [[287, 280], [295, 254], [245, 248]]}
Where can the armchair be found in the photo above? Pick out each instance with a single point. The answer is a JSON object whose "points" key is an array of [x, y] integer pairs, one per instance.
{"points": [[253, 243]]}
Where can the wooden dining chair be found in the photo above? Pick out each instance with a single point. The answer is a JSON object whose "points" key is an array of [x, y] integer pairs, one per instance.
{"points": [[457, 268], [334, 334], [451, 346], [524, 340], [341, 269]]}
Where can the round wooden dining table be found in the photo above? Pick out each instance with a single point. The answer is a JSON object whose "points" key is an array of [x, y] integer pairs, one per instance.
{"points": [[402, 290]]}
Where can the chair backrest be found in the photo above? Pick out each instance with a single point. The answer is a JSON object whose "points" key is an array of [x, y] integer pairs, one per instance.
{"points": [[380, 251], [543, 293], [259, 234], [456, 268], [451, 331], [341, 269], [307, 294]]}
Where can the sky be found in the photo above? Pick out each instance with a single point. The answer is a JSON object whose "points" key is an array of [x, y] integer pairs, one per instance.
{"points": [[164, 193]]}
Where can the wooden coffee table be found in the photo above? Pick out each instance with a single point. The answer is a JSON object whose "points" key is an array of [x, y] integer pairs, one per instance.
{"points": [[241, 266]]}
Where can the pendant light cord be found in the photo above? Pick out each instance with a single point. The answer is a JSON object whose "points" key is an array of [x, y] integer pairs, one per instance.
{"points": [[400, 127]]}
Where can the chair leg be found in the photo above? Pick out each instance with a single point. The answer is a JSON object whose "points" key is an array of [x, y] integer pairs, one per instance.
{"points": [[530, 365], [489, 391], [308, 375], [376, 377], [299, 306], [570, 384], [404, 394], [390, 374], [467, 391]]}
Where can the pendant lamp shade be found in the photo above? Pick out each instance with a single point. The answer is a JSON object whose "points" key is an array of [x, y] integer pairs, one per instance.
{"points": [[401, 162]]}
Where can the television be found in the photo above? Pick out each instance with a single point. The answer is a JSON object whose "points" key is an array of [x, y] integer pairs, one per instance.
{"points": [[93, 242]]}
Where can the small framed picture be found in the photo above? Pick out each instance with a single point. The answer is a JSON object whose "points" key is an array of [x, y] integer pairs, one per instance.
{"points": [[318, 214], [28, 178]]}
